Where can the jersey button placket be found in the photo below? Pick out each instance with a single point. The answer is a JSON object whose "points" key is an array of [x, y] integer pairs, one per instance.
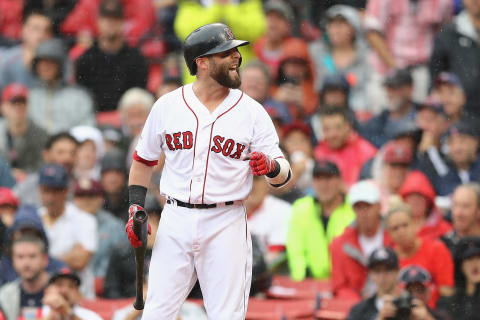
{"points": [[198, 173]]}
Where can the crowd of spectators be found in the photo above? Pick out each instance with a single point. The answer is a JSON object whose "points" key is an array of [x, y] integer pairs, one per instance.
{"points": [[376, 104]]}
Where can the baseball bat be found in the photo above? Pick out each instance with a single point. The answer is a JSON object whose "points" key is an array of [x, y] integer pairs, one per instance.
{"points": [[140, 228]]}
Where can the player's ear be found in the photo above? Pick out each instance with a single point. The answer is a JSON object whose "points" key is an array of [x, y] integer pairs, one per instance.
{"points": [[203, 63]]}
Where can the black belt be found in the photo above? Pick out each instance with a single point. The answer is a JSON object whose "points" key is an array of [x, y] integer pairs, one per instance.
{"points": [[197, 205]]}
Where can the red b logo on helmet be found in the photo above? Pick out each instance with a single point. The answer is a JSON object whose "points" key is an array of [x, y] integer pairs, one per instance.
{"points": [[229, 33]]}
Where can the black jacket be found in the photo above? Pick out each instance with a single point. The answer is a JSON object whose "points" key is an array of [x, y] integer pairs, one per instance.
{"points": [[460, 306], [364, 310], [108, 76], [457, 50]]}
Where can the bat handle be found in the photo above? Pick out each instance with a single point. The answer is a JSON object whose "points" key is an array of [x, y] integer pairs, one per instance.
{"points": [[138, 304]]}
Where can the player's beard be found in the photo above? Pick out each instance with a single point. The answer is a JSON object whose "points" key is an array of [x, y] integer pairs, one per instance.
{"points": [[221, 74]]}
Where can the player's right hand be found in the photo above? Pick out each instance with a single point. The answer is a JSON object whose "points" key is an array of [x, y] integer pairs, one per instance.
{"points": [[132, 237]]}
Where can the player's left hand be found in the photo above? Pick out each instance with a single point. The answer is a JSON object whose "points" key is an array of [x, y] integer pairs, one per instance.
{"points": [[260, 163]]}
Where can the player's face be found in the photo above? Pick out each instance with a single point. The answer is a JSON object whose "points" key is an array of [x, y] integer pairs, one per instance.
{"points": [[224, 68], [28, 260]]}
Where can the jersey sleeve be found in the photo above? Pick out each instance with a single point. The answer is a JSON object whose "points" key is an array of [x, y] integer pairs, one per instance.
{"points": [[149, 145], [265, 138]]}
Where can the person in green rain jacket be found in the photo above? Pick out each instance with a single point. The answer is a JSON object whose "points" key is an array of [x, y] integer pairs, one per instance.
{"points": [[244, 17], [315, 222]]}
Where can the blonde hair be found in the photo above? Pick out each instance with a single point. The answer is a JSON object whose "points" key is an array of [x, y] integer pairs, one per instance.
{"points": [[136, 96], [397, 205]]}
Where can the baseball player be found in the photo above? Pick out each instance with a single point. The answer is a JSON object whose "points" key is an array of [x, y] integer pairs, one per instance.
{"points": [[214, 138]]}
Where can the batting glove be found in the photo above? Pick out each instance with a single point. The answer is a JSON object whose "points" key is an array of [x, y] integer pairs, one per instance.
{"points": [[261, 164], [132, 237]]}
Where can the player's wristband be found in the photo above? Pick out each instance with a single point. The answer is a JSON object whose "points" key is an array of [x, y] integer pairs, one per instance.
{"points": [[275, 171], [137, 195]]}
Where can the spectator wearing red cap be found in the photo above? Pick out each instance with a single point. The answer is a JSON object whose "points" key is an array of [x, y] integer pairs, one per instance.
{"points": [[350, 251], [88, 196], [412, 249], [21, 140], [316, 221], [417, 191], [8, 206], [16, 61], [343, 145]]}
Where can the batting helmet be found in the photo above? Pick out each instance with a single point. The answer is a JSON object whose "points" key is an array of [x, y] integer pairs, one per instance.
{"points": [[206, 40]]}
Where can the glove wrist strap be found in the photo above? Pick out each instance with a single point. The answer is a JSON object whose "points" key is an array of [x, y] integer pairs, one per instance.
{"points": [[137, 195], [275, 170]]}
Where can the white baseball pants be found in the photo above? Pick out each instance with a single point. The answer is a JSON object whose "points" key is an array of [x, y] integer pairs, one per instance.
{"points": [[211, 244]]}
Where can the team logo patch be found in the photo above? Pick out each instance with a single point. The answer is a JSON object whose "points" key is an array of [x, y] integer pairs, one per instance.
{"points": [[229, 34]]}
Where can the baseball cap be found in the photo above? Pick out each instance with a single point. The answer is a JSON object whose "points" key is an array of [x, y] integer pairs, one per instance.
{"points": [[399, 77], [448, 78], [463, 127], [297, 126], [14, 91], [345, 12], [468, 247], [53, 176], [414, 274], [384, 256], [87, 187], [111, 9], [114, 160], [280, 7], [434, 105], [65, 273], [397, 153], [324, 167], [405, 129], [335, 81], [8, 198], [364, 191]]}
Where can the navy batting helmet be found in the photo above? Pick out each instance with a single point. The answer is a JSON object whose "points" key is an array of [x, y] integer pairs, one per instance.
{"points": [[206, 40]]}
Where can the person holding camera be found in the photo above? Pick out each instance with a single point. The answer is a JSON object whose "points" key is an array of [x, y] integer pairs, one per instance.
{"points": [[463, 304], [383, 268], [412, 302]]}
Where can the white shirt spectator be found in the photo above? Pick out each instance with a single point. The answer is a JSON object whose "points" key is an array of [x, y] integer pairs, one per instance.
{"points": [[72, 227], [81, 313], [269, 223]]}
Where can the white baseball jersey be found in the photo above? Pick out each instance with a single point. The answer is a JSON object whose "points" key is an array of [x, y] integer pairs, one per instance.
{"points": [[203, 150], [269, 223]]}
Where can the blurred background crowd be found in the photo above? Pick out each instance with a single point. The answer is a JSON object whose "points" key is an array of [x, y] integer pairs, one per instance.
{"points": [[376, 103]]}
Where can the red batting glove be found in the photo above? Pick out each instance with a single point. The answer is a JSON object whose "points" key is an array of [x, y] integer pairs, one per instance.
{"points": [[261, 164], [132, 237]]}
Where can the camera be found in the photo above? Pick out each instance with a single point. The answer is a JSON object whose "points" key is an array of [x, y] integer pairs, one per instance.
{"points": [[404, 305]]}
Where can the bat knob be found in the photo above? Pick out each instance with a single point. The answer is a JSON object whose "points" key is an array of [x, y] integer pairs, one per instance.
{"points": [[138, 305]]}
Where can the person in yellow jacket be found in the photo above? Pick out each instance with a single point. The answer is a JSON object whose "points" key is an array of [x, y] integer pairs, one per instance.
{"points": [[315, 222], [245, 18]]}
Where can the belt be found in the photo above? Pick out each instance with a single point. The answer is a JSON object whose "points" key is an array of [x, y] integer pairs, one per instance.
{"points": [[201, 205]]}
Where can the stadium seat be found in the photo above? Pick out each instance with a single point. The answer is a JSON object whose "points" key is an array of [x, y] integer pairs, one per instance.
{"points": [[275, 309], [285, 288]]}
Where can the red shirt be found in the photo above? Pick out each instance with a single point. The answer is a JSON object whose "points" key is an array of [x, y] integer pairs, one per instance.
{"points": [[434, 256], [349, 275], [350, 158]]}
